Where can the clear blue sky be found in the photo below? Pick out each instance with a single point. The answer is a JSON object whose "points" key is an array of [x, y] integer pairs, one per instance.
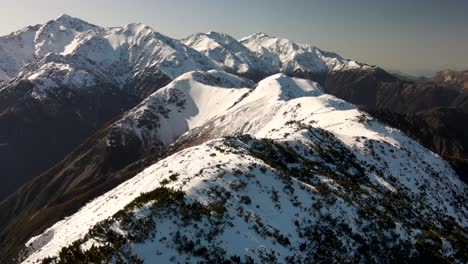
{"points": [[414, 36]]}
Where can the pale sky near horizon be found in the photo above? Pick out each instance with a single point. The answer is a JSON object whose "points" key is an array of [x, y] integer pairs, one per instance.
{"points": [[412, 36]]}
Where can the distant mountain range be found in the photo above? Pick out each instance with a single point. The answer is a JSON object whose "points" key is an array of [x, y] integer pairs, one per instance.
{"points": [[122, 144], [66, 78], [452, 78]]}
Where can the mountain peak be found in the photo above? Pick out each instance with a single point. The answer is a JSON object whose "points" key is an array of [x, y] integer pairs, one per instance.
{"points": [[286, 88], [212, 35], [289, 164], [64, 17], [215, 34], [139, 27], [69, 20], [222, 38], [211, 32], [261, 35]]}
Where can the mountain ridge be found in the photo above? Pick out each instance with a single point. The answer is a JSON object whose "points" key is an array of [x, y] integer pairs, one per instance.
{"points": [[67, 59], [299, 117], [110, 102]]}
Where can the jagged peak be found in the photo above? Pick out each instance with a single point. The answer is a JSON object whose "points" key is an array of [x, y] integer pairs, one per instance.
{"points": [[261, 35], [213, 35], [255, 36], [279, 40], [217, 34], [138, 27], [221, 37], [71, 21], [64, 17], [23, 30]]}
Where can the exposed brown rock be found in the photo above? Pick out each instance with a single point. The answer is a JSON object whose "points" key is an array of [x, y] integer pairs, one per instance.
{"points": [[452, 78]]}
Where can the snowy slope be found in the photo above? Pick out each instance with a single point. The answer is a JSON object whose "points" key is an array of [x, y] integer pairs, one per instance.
{"points": [[57, 35], [68, 48], [139, 47], [316, 178], [290, 57], [27, 45], [260, 54], [119, 55], [187, 102], [228, 53], [16, 50], [69, 51], [301, 175], [269, 108]]}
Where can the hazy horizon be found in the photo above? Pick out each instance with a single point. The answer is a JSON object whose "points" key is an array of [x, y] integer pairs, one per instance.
{"points": [[415, 37]]}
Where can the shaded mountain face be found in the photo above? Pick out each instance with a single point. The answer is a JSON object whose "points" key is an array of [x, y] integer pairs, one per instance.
{"points": [[37, 134], [116, 153], [65, 79], [39, 129], [28, 44], [73, 82], [432, 113], [316, 164], [279, 110], [142, 96], [410, 78], [443, 130], [376, 89]]}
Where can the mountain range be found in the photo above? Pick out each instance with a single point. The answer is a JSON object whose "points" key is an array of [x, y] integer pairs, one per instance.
{"points": [[123, 144]]}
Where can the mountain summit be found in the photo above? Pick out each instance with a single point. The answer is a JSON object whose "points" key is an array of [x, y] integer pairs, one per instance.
{"points": [[92, 74], [125, 145], [283, 169]]}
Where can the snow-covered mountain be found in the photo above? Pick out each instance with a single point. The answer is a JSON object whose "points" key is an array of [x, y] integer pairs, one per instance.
{"points": [[85, 54], [69, 52], [290, 57], [262, 55], [111, 51], [34, 42], [229, 54], [16, 49], [186, 103], [74, 77], [116, 56], [283, 173], [50, 72], [226, 156]]}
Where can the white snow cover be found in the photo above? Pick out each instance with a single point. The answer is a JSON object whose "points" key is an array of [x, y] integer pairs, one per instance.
{"points": [[27, 45], [139, 47], [113, 55], [16, 50], [227, 52], [185, 103], [117, 54], [292, 57], [279, 99], [267, 112], [55, 36], [261, 53]]}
